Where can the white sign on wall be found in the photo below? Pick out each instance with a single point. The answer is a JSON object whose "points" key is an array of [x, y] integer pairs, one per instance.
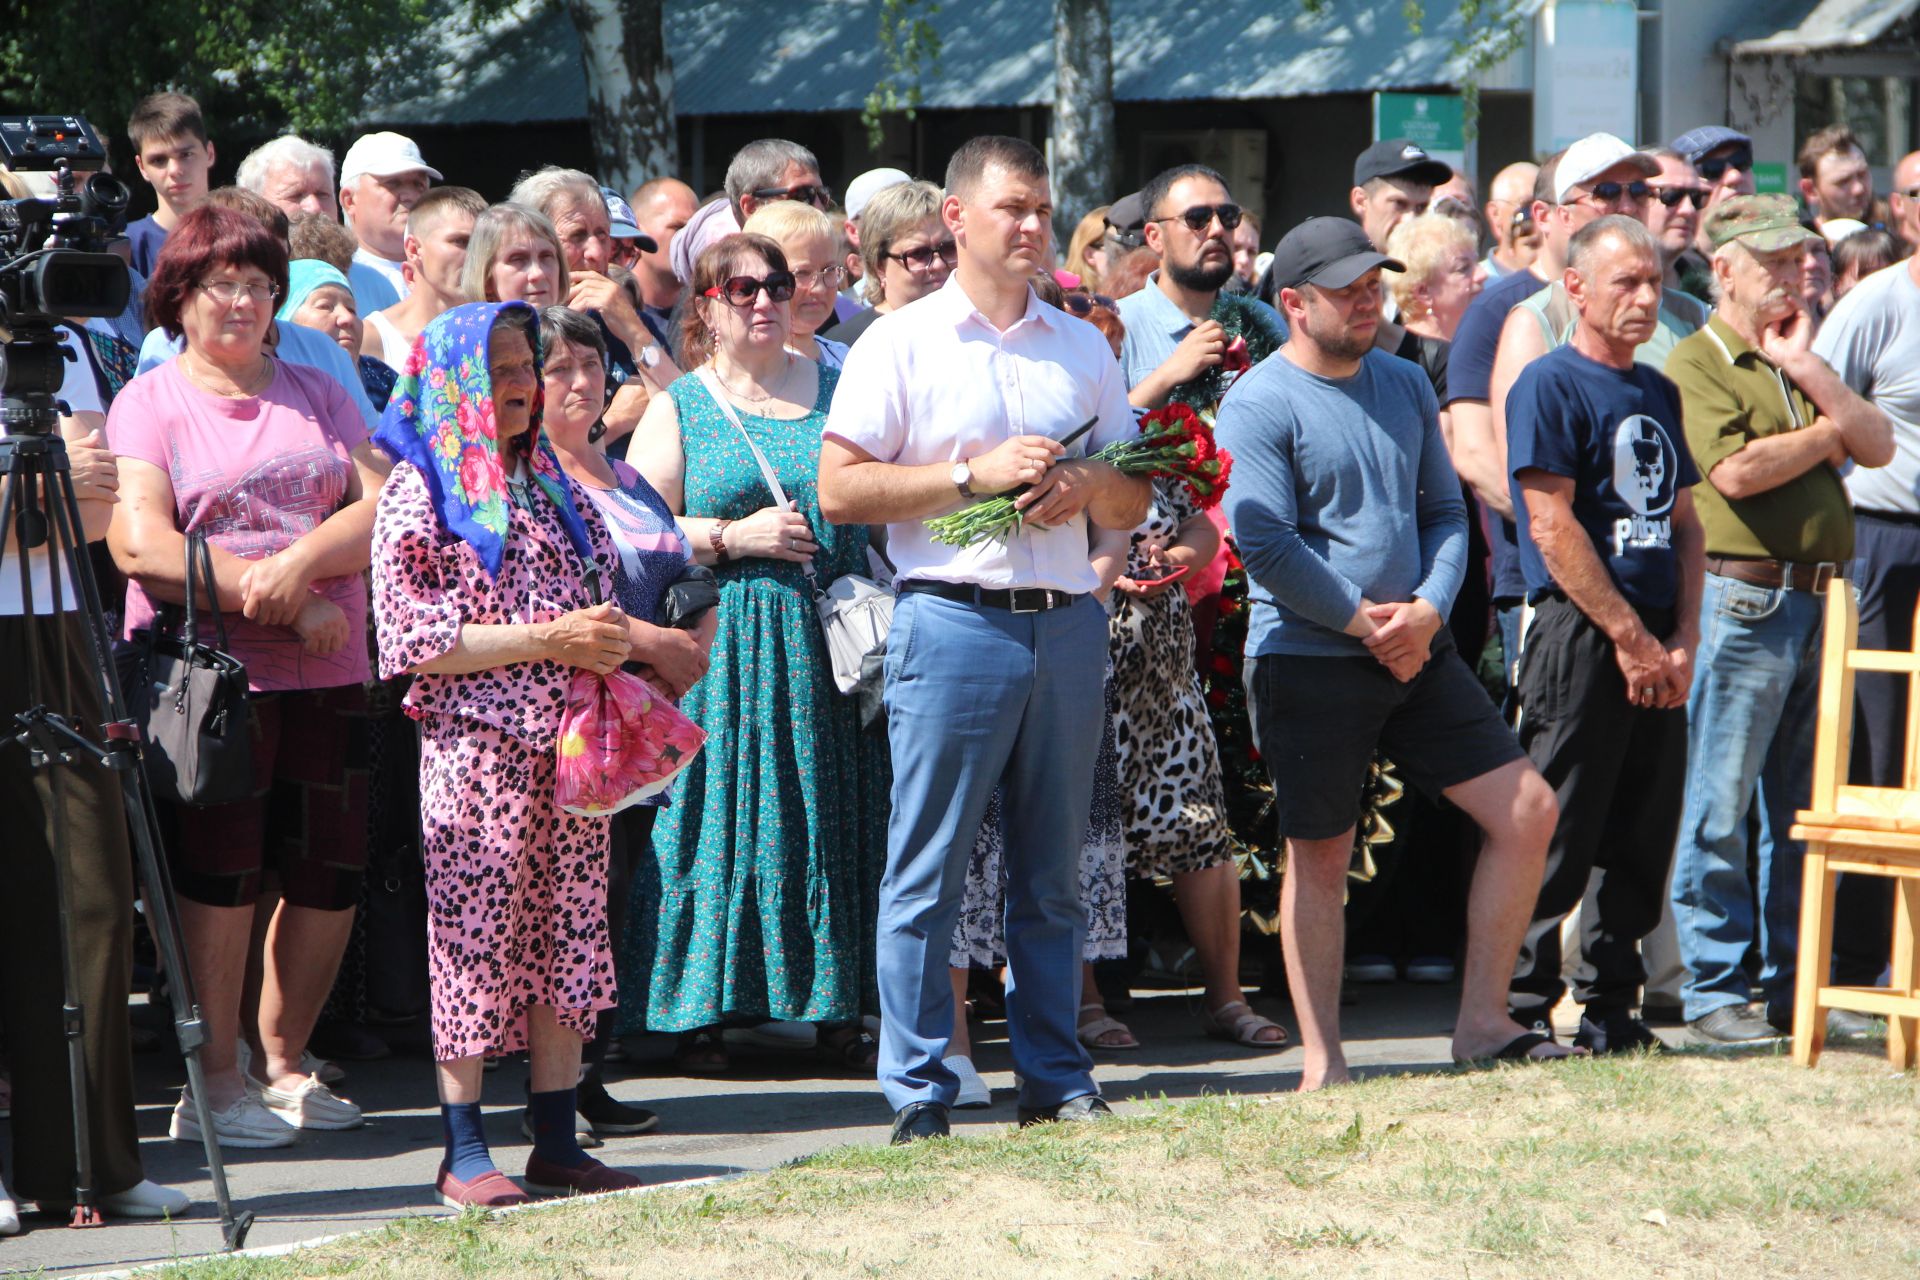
{"points": [[1587, 72]]}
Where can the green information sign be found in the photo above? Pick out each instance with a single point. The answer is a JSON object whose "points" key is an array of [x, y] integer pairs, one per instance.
{"points": [[1435, 121], [1770, 179]]}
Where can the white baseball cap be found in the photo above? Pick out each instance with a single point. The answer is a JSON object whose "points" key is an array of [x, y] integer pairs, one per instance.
{"points": [[870, 184], [383, 155], [1838, 229], [1592, 156]]}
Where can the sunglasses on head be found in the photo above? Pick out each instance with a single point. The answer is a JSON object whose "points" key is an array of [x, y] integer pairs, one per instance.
{"points": [[1611, 192], [1672, 196], [1082, 304], [1201, 216], [740, 290], [1713, 170], [922, 259], [805, 193]]}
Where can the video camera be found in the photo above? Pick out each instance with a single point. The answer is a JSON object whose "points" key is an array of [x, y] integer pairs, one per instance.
{"points": [[54, 262]]}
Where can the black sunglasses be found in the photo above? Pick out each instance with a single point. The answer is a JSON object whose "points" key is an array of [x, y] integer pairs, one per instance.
{"points": [[1672, 196], [1082, 304], [1611, 192], [1523, 216], [1201, 216], [1713, 170], [805, 193], [740, 290], [922, 259]]}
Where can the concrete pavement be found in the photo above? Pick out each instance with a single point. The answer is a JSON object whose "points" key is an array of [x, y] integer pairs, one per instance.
{"points": [[764, 1113]]}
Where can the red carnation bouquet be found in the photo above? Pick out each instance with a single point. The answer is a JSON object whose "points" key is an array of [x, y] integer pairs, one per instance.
{"points": [[1174, 441]]}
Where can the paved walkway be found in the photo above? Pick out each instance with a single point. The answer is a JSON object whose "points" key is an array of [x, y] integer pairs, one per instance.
{"points": [[764, 1113]]}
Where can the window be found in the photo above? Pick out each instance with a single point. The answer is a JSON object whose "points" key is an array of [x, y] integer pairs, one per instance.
{"points": [[1879, 110]]}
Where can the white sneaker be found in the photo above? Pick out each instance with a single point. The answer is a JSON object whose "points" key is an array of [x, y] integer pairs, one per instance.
{"points": [[311, 1105], [142, 1200], [329, 1072], [244, 1124], [9, 1213], [974, 1093]]}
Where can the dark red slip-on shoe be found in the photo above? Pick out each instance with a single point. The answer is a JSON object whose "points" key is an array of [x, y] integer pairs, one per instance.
{"points": [[491, 1190], [588, 1179]]}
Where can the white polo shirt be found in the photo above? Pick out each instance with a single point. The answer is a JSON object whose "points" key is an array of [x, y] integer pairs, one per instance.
{"points": [[936, 382]]}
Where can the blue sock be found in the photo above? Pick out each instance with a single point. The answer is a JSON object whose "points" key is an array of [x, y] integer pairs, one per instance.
{"points": [[553, 1132], [467, 1154]]}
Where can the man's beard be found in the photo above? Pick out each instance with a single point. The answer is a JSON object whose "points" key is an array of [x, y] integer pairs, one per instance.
{"points": [[1336, 339], [1199, 278]]}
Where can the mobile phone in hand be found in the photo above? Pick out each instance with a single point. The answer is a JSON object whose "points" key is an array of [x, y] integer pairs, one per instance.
{"points": [[1156, 573]]}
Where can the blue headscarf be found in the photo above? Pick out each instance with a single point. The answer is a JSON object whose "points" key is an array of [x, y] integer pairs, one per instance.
{"points": [[304, 275], [441, 420]]}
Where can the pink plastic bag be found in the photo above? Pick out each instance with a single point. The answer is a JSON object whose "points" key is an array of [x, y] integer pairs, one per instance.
{"points": [[620, 741]]}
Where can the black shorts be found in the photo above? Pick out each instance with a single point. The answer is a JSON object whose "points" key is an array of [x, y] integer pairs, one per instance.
{"points": [[1317, 721]]}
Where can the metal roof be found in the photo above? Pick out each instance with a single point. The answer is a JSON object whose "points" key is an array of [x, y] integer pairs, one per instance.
{"points": [[741, 57], [1831, 25]]}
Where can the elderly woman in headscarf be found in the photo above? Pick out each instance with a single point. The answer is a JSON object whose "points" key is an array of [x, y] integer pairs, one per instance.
{"points": [[319, 297], [489, 571]]}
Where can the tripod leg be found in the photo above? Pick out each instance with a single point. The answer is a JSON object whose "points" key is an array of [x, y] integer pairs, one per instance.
{"points": [[122, 755]]}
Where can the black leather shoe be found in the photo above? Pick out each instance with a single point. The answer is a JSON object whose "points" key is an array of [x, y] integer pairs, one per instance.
{"points": [[1842, 1024], [1614, 1031], [1088, 1106], [1734, 1024], [919, 1120]]}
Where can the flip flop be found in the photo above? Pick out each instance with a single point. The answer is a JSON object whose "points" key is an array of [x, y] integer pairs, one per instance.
{"points": [[1518, 1049]]}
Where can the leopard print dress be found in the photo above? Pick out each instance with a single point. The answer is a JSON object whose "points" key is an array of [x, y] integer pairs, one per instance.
{"points": [[1169, 763], [516, 886]]}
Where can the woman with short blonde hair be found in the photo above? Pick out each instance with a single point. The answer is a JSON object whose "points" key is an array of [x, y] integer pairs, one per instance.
{"points": [[1443, 273], [806, 236]]}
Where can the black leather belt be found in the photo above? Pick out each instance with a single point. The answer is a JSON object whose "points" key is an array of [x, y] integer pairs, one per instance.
{"points": [[1776, 573], [1017, 600]]}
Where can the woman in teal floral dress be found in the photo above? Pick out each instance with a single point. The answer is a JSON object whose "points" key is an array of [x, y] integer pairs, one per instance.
{"points": [[769, 856]]}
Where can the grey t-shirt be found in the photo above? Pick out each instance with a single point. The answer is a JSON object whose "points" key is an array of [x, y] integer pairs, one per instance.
{"points": [[1341, 488], [1872, 340]]}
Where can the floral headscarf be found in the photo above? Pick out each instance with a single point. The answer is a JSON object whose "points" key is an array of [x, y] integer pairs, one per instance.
{"points": [[441, 420]]}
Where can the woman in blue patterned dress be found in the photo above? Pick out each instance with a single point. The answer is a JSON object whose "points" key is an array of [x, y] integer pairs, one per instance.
{"points": [[771, 853]]}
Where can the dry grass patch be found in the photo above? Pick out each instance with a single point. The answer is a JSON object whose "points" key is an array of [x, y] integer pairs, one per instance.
{"points": [[1686, 1165]]}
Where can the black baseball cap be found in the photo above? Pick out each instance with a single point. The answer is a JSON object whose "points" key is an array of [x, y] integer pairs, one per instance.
{"points": [[1399, 158], [1329, 252]]}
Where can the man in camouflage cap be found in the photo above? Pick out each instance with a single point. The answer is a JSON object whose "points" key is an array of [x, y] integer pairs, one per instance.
{"points": [[1770, 425]]}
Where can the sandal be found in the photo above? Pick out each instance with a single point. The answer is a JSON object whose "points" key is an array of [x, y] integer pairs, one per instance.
{"points": [[701, 1052], [1093, 1033], [1521, 1049], [1243, 1027], [848, 1046]]}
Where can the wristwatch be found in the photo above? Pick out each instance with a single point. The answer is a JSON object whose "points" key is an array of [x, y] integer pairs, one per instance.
{"points": [[716, 536], [649, 355], [962, 477]]}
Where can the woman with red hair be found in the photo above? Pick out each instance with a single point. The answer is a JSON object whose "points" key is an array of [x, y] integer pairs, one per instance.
{"points": [[269, 461]]}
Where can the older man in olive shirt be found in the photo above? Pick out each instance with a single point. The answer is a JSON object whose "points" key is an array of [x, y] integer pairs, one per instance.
{"points": [[1770, 425]]}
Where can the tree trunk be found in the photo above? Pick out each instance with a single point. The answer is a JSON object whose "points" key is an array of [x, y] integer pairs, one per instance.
{"points": [[1083, 143], [623, 53]]}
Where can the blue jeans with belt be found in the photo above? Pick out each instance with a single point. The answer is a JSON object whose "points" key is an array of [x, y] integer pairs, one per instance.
{"points": [[1750, 723], [975, 696]]}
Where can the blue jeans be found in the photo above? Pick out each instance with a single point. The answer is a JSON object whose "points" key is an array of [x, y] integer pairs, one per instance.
{"points": [[977, 696], [1750, 722]]}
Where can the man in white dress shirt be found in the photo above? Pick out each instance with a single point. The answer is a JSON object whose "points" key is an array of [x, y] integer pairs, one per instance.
{"points": [[996, 662]]}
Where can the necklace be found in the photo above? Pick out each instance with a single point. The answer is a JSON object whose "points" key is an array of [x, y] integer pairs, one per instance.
{"points": [[241, 390], [765, 395]]}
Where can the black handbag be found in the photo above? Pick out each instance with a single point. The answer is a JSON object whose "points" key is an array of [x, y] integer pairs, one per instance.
{"points": [[191, 703], [688, 597]]}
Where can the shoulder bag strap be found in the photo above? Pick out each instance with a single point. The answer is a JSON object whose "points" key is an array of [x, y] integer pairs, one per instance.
{"points": [[711, 382]]}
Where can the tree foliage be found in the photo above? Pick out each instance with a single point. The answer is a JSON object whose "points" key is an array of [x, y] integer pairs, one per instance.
{"points": [[909, 49], [257, 67]]}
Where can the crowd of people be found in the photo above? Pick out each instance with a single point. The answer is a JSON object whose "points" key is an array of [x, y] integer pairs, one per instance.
{"points": [[1619, 428]]}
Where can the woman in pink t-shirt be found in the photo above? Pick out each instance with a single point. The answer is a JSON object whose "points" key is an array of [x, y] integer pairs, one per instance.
{"points": [[271, 462]]}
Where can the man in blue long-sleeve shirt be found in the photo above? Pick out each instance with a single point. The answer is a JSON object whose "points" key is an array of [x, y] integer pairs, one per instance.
{"points": [[1348, 517]]}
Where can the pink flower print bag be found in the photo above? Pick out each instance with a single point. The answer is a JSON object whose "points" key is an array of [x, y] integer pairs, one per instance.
{"points": [[621, 741]]}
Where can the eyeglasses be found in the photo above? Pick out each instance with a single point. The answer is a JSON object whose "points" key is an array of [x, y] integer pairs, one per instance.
{"points": [[1614, 192], [1082, 304], [1201, 216], [828, 276], [1714, 170], [806, 193], [1672, 196], [922, 259], [741, 290], [227, 292]]}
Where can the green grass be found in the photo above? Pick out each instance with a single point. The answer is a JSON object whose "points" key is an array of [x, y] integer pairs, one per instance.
{"points": [[1683, 1165]]}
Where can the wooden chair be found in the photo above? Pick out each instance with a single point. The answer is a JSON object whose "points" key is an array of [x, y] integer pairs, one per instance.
{"points": [[1872, 831]]}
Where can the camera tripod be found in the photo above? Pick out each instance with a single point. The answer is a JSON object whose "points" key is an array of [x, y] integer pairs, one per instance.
{"points": [[52, 740]]}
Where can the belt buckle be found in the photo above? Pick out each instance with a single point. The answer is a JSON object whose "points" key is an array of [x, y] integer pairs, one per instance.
{"points": [[1823, 575], [1014, 594]]}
